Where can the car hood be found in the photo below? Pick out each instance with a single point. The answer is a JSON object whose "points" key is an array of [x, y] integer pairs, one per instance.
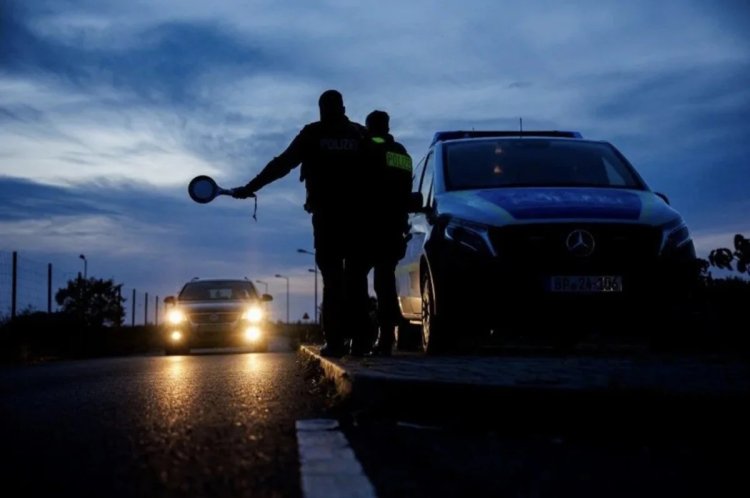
{"points": [[213, 306], [502, 206]]}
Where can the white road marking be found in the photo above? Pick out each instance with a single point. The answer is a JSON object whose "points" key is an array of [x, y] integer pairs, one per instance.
{"points": [[328, 465], [409, 425]]}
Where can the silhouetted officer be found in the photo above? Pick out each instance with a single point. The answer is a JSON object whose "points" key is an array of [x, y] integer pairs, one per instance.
{"points": [[392, 169], [333, 169]]}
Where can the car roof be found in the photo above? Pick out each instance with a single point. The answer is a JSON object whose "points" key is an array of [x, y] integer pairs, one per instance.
{"points": [[442, 136], [214, 280]]}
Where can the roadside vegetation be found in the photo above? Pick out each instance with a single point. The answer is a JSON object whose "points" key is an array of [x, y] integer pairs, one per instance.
{"points": [[89, 323], [719, 308]]}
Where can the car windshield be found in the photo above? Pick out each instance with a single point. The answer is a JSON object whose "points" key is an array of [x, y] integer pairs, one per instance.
{"points": [[217, 290], [527, 162]]}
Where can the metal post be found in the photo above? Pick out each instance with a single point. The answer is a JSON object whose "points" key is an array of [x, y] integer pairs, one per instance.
{"points": [[85, 266], [315, 271], [14, 286], [133, 312], [145, 310], [49, 287], [287, 295], [119, 303], [156, 310], [316, 294]]}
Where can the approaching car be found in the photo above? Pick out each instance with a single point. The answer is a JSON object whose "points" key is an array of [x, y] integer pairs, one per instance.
{"points": [[517, 225], [216, 313]]}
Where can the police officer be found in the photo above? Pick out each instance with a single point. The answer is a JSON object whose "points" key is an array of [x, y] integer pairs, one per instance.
{"points": [[333, 169], [392, 169]]}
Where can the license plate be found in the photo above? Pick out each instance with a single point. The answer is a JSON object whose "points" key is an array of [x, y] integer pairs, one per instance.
{"points": [[585, 283]]}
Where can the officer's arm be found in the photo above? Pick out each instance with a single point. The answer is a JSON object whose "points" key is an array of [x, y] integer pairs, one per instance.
{"points": [[282, 164]]}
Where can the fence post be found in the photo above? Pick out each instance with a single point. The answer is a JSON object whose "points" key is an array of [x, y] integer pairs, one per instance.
{"points": [[119, 303], [14, 286], [133, 311], [145, 310], [49, 287], [156, 311]]}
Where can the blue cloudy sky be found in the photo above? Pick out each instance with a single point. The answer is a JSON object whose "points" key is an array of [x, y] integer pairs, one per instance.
{"points": [[108, 108]]}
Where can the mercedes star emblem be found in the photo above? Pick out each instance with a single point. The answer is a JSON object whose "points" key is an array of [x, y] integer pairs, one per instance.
{"points": [[580, 243]]}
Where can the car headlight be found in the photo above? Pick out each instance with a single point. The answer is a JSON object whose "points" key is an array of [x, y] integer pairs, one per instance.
{"points": [[175, 317], [675, 236], [253, 334], [253, 315], [472, 236], [176, 336]]}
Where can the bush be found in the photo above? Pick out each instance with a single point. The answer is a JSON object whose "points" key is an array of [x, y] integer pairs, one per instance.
{"points": [[35, 335]]}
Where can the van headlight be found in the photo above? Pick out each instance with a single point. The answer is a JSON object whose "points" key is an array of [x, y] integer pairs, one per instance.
{"points": [[253, 315], [175, 317], [675, 236], [472, 236]]}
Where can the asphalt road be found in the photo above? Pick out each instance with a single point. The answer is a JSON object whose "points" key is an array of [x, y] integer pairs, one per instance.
{"points": [[223, 424], [199, 425]]}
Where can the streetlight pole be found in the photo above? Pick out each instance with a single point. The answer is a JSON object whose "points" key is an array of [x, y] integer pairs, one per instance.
{"points": [[287, 295], [85, 266], [264, 283], [315, 270]]}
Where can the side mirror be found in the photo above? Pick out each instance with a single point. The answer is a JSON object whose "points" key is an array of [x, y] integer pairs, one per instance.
{"points": [[663, 196], [416, 202], [169, 300], [266, 298]]}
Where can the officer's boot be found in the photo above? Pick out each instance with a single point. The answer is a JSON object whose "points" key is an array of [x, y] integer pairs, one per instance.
{"points": [[385, 341]]}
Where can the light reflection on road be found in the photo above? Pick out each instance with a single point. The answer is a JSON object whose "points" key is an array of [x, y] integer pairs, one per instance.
{"points": [[176, 369], [185, 386]]}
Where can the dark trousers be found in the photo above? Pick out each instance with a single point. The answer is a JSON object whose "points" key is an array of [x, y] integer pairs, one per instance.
{"points": [[384, 282], [344, 270], [390, 247]]}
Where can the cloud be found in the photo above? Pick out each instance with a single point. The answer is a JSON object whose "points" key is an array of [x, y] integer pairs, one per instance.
{"points": [[87, 136]]}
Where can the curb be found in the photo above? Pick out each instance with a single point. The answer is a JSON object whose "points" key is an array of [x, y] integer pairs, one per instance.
{"points": [[362, 382]]}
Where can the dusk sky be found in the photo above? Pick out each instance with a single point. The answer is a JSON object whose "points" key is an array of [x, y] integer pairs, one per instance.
{"points": [[109, 108]]}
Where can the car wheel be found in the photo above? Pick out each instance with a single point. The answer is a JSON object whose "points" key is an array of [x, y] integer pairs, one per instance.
{"points": [[435, 327], [408, 337]]}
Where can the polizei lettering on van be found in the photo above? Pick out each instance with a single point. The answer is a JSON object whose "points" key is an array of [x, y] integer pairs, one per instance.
{"points": [[339, 144]]}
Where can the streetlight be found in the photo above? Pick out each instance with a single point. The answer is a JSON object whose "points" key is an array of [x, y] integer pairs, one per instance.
{"points": [[287, 295], [315, 271], [85, 266], [304, 251], [264, 283]]}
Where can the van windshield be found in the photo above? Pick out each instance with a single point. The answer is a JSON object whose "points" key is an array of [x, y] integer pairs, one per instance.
{"points": [[492, 163]]}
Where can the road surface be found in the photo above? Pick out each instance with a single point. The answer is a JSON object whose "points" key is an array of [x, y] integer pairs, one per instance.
{"points": [[221, 424], [199, 425]]}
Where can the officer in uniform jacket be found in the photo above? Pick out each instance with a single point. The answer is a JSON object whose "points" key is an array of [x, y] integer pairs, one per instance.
{"points": [[331, 152], [391, 166]]}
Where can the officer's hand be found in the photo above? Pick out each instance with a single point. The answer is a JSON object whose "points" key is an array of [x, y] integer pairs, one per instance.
{"points": [[242, 192]]}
